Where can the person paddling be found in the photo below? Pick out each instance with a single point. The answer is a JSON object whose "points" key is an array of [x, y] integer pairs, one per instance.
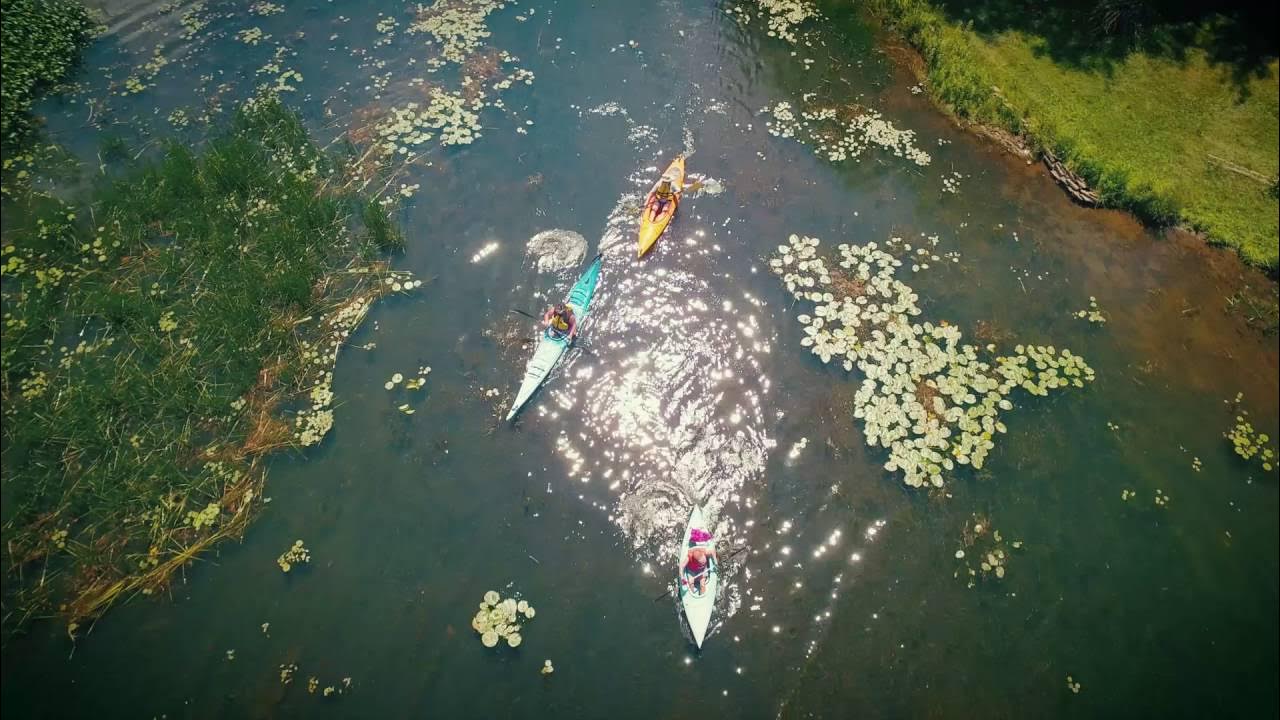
{"points": [[697, 562], [663, 195], [560, 320]]}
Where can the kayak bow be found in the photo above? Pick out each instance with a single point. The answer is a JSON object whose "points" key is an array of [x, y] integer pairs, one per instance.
{"points": [[697, 606], [651, 227], [551, 346]]}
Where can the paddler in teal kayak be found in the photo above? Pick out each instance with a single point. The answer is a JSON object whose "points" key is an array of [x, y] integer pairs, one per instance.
{"points": [[560, 321]]}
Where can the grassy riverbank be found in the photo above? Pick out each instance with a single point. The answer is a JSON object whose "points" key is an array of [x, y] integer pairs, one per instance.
{"points": [[155, 339], [1161, 121]]}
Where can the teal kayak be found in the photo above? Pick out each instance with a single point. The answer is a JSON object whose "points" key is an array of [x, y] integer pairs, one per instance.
{"points": [[552, 346]]}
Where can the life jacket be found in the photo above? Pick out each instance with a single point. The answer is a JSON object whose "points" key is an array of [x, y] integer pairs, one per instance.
{"points": [[560, 321], [665, 194]]}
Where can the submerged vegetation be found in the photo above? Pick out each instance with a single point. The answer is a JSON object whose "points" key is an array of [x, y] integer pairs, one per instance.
{"points": [[154, 342], [1157, 121], [39, 41]]}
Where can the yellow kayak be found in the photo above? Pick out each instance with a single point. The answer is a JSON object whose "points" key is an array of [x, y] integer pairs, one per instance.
{"points": [[652, 224]]}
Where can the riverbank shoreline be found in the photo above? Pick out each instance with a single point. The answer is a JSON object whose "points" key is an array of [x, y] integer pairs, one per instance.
{"points": [[939, 54]]}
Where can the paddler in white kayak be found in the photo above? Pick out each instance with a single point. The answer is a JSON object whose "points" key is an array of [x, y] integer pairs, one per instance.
{"points": [[694, 565], [560, 320]]}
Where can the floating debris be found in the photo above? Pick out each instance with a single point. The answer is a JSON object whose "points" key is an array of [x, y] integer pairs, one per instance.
{"points": [[295, 555], [928, 399]]}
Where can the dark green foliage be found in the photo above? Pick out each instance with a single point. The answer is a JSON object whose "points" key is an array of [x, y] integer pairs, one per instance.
{"points": [[379, 228], [39, 41]]}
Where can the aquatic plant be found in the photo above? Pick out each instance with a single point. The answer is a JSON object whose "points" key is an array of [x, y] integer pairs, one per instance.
{"points": [[297, 554], [154, 348], [932, 401], [498, 619], [982, 544], [39, 42], [392, 138], [842, 133], [1248, 443], [781, 16], [1091, 313]]}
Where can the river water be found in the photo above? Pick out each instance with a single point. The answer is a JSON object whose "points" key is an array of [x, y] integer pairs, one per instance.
{"points": [[692, 386]]}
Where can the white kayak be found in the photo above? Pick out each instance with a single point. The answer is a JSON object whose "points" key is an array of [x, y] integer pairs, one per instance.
{"points": [[698, 606]]}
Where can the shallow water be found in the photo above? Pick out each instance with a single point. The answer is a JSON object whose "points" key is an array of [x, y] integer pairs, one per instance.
{"points": [[691, 386]]}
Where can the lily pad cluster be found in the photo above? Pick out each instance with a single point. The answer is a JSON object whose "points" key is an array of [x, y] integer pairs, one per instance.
{"points": [[1092, 313], [1251, 444], [394, 137], [931, 400], [458, 26], [297, 554], [984, 553], [781, 16], [500, 618], [843, 133]]}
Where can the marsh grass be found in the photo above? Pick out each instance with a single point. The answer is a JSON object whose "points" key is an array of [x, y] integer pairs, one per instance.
{"points": [[154, 341]]}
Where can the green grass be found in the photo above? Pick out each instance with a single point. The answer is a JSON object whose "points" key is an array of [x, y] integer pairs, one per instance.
{"points": [[155, 339], [1140, 126]]}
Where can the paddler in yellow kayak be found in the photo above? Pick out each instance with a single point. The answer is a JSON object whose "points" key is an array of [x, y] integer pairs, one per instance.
{"points": [[664, 194], [560, 320]]}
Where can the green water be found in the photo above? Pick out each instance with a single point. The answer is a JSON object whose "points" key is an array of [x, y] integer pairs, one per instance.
{"points": [[696, 388]]}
